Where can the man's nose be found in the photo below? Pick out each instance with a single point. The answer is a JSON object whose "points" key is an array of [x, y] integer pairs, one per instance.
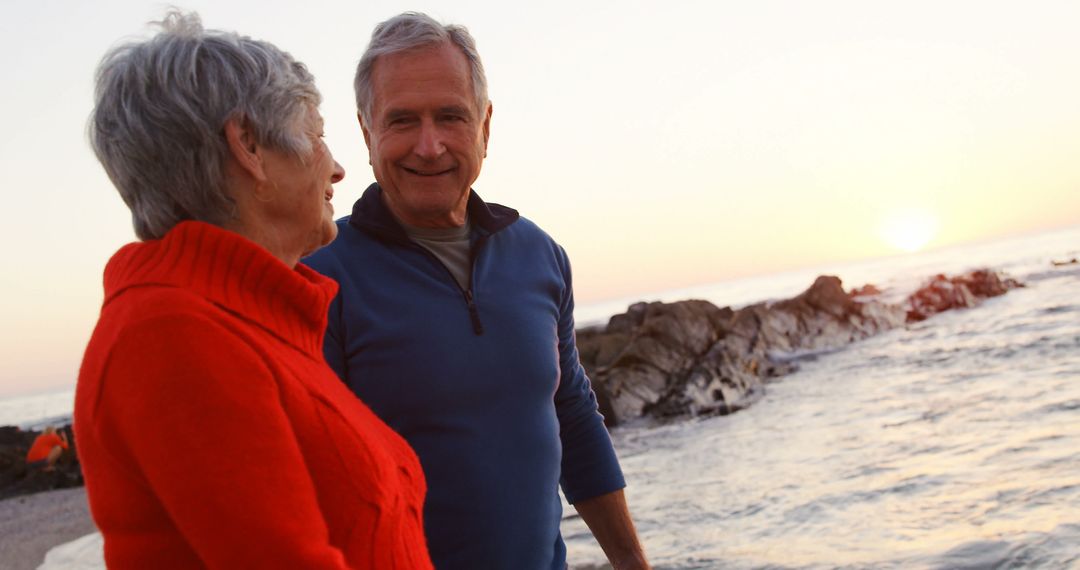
{"points": [[429, 145]]}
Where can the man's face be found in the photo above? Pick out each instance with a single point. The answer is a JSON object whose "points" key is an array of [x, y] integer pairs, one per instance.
{"points": [[427, 140]]}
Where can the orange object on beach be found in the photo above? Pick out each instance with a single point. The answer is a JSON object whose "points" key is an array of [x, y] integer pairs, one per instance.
{"points": [[39, 450]]}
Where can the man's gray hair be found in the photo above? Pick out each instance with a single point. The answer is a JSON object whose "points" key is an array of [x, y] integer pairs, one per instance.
{"points": [[410, 31], [160, 110]]}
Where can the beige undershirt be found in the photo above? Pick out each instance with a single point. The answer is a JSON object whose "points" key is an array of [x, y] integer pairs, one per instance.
{"points": [[449, 245]]}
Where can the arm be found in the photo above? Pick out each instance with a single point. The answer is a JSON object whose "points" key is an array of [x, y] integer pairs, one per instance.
{"points": [[193, 412], [609, 520], [592, 478], [334, 341]]}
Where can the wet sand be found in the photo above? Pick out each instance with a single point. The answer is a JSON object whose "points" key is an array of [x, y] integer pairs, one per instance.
{"points": [[30, 525]]}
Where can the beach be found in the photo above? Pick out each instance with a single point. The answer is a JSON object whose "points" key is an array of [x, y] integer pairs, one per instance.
{"points": [[30, 525]]}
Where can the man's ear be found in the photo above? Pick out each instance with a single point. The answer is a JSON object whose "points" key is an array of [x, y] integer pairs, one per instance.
{"points": [[245, 151], [367, 134], [364, 129], [487, 126]]}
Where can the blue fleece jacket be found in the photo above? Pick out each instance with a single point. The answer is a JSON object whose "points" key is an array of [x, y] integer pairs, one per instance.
{"points": [[485, 384]]}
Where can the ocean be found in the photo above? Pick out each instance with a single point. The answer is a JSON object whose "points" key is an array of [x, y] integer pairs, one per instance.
{"points": [[950, 443], [35, 411]]}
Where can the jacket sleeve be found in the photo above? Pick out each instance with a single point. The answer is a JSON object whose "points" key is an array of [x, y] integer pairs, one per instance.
{"points": [[334, 341], [196, 415], [589, 465]]}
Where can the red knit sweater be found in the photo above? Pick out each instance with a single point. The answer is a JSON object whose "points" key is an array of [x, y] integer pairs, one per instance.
{"points": [[212, 433]]}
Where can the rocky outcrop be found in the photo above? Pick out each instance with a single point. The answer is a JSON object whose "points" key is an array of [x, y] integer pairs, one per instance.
{"points": [[665, 360], [16, 478], [634, 360], [943, 293]]}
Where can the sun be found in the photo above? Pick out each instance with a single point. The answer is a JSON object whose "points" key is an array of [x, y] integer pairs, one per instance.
{"points": [[908, 229]]}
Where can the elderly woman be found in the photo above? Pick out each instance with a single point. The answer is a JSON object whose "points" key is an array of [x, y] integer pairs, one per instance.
{"points": [[211, 431]]}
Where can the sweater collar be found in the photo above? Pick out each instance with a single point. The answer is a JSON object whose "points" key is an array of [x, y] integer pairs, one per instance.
{"points": [[232, 272], [370, 214]]}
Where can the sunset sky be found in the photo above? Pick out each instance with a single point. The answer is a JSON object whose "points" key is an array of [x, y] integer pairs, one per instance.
{"points": [[664, 144]]}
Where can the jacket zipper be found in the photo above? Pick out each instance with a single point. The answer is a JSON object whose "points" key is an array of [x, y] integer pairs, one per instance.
{"points": [[467, 294], [474, 313]]}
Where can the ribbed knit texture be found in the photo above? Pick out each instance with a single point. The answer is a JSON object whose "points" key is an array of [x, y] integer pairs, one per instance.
{"points": [[234, 273], [211, 431]]}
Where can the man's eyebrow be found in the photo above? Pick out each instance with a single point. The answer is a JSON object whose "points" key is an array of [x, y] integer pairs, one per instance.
{"points": [[454, 110], [396, 114], [393, 114]]}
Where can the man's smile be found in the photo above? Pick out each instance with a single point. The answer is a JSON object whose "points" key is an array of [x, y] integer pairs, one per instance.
{"points": [[428, 171]]}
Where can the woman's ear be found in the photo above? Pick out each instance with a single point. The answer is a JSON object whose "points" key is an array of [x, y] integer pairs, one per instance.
{"points": [[245, 151]]}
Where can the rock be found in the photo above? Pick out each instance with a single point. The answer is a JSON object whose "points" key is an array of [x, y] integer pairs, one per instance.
{"points": [[632, 359], [666, 360], [868, 290], [943, 293], [824, 317], [16, 478]]}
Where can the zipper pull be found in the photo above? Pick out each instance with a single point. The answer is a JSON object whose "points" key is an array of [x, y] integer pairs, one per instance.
{"points": [[474, 314]]}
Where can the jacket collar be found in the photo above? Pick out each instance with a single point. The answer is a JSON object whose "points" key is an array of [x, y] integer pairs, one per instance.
{"points": [[370, 214]]}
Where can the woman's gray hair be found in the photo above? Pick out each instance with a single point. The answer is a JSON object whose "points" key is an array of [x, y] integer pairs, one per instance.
{"points": [[160, 110], [409, 31]]}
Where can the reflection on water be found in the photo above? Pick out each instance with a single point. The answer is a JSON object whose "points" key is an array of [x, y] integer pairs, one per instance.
{"points": [[35, 410], [952, 444]]}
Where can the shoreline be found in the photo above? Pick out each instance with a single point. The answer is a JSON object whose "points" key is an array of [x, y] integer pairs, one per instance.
{"points": [[31, 525]]}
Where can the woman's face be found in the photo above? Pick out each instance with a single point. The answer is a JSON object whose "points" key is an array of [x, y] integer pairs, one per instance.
{"points": [[299, 188]]}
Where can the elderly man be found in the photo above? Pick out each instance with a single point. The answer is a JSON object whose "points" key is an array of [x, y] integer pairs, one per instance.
{"points": [[455, 320]]}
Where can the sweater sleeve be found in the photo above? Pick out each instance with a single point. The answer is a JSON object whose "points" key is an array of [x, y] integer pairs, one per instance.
{"points": [[589, 465], [197, 414]]}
